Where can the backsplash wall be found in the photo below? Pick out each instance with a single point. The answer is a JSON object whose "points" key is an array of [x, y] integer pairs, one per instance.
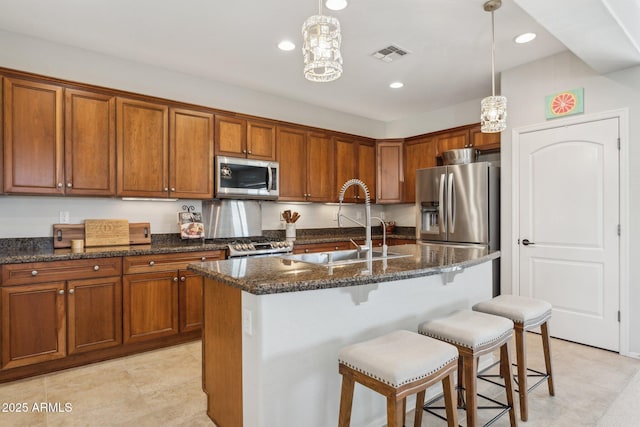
{"points": [[25, 216]]}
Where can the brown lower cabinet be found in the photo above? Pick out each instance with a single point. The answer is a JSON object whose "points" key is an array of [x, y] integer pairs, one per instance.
{"points": [[61, 314], [45, 317], [161, 297]]}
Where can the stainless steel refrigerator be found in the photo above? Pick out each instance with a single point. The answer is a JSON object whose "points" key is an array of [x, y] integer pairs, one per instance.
{"points": [[459, 204]]}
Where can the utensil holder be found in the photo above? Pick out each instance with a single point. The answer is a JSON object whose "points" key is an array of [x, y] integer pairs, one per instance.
{"points": [[290, 231]]}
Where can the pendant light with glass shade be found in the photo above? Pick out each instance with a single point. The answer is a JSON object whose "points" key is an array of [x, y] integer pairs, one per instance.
{"points": [[321, 41], [493, 115]]}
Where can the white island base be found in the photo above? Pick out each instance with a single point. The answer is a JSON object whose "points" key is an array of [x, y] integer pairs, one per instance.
{"points": [[271, 360]]}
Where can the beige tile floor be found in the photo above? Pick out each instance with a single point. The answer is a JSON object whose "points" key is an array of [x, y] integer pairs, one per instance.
{"points": [[163, 388]]}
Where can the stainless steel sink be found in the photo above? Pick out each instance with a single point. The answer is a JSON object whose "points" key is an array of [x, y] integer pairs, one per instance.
{"points": [[334, 258]]}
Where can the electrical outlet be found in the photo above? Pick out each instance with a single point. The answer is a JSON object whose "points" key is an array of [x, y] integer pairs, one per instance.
{"points": [[64, 217], [247, 326]]}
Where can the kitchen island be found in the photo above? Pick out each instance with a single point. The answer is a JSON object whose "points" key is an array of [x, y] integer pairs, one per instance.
{"points": [[273, 327]]}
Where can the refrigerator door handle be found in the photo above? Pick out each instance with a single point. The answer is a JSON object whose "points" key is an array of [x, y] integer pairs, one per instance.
{"points": [[441, 203], [451, 204]]}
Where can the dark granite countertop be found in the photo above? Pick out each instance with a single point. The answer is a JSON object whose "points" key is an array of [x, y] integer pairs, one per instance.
{"points": [[33, 250], [271, 275], [40, 249]]}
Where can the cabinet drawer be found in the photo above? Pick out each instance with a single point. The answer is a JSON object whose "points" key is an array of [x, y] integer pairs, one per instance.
{"points": [[167, 262], [38, 272]]}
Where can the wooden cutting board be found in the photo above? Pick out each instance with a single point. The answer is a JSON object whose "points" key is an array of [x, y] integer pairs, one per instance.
{"points": [[106, 232], [139, 234]]}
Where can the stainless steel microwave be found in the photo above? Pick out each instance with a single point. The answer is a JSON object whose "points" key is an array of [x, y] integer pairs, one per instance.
{"points": [[238, 178]]}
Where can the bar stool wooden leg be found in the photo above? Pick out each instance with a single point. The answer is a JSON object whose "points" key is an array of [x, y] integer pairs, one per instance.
{"points": [[547, 356], [461, 386], [449, 402], [505, 369], [395, 414], [346, 400], [420, 404], [470, 369], [521, 356]]}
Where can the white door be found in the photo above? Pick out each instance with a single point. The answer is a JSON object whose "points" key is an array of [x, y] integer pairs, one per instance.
{"points": [[569, 215]]}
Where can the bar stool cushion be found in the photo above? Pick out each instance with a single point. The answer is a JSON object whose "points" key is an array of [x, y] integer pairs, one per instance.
{"points": [[524, 310], [398, 358], [468, 329]]}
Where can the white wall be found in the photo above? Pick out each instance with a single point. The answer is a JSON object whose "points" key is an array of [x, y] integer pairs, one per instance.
{"points": [[525, 88], [65, 62]]}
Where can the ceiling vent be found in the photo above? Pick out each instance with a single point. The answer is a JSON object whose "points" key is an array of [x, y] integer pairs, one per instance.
{"points": [[390, 53]]}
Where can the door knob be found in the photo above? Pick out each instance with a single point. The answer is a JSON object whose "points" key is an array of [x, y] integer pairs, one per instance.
{"points": [[526, 242]]}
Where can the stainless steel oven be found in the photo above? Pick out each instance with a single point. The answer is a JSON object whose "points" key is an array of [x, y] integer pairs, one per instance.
{"points": [[238, 178]]}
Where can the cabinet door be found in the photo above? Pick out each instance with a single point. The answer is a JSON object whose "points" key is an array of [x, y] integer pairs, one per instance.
{"points": [[143, 148], [90, 144], [231, 136], [418, 154], [190, 300], [191, 154], [291, 153], [150, 304], [367, 169], [94, 314], [346, 166], [1, 135], [33, 145], [321, 185], [390, 179], [261, 141], [33, 324], [484, 141], [452, 140]]}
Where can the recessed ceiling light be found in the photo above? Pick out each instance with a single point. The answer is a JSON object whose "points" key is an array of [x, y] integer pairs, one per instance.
{"points": [[336, 4], [525, 38], [396, 85], [286, 45]]}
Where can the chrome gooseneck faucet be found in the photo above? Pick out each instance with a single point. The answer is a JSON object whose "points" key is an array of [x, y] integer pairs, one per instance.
{"points": [[367, 225]]}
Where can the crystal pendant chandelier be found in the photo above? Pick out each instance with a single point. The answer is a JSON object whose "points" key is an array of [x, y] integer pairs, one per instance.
{"points": [[493, 115], [321, 47]]}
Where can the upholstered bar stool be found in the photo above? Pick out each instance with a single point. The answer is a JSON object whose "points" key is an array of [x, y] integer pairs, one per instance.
{"points": [[475, 334], [526, 314], [397, 365]]}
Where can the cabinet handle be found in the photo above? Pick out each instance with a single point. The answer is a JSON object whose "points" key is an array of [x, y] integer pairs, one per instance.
{"points": [[59, 185], [249, 152], [337, 247], [61, 292], [203, 259], [34, 273], [152, 263], [244, 151], [175, 279], [68, 185], [71, 291], [173, 189], [96, 267], [166, 189], [306, 251], [183, 279]]}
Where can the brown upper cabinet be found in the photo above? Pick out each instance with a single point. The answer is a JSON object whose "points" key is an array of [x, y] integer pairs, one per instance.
{"points": [[237, 137], [33, 137], [307, 160], [155, 163], [390, 173], [355, 159], [321, 165], [451, 140], [1, 135], [484, 141], [419, 153], [191, 154], [143, 148], [292, 156], [89, 144]]}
